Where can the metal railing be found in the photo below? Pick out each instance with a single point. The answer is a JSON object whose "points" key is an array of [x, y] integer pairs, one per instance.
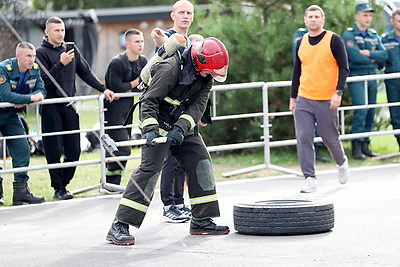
{"points": [[266, 142]]}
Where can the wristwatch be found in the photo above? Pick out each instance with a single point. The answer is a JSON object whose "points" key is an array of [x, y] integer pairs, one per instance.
{"points": [[339, 92]]}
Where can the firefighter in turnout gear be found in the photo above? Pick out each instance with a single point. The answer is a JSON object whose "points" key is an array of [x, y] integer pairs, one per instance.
{"points": [[171, 107], [20, 84]]}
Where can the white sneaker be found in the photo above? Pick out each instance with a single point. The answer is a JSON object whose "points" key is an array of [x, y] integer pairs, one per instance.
{"points": [[343, 171], [173, 215], [310, 185]]}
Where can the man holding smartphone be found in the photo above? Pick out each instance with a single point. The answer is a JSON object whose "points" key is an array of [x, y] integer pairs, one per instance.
{"points": [[63, 63]]}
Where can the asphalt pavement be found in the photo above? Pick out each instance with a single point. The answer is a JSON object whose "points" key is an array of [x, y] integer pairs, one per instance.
{"points": [[72, 232]]}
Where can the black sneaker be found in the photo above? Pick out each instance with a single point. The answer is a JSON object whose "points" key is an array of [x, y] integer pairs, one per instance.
{"points": [[207, 227], [62, 194], [185, 211], [173, 215], [119, 234]]}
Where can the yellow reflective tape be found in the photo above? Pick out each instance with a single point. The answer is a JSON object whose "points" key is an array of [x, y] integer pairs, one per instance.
{"points": [[133, 205], [162, 132], [172, 101], [205, 199], [190, 119], [149, 121], [116, 172]]}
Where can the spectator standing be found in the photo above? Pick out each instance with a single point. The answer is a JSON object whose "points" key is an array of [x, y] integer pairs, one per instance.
{"points": [[63, 65], [20, 84], [391, 41], [366, 53], [172, 106], [319, 145], [123, 76], [314, 99], [173, 177]]}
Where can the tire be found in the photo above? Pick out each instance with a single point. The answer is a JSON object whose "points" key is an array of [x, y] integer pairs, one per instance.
{"points": [[284, 217]]}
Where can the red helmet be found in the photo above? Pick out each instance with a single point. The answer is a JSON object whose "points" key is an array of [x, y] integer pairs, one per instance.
{"points": [[211, 55]]}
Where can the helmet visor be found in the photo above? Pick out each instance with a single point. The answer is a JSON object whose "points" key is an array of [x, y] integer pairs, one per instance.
{"points": [[220, 74]]}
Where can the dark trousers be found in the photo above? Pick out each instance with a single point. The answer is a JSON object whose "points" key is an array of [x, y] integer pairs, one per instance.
{"points": [[55, 118], [11, 125], [116, 113], [363, 119], [195, 160], [115, 169], [393, 95], [172, 182]]}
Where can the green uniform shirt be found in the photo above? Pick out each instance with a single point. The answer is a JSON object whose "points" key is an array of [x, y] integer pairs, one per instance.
{"points": [[355, 42], [9, 76]]}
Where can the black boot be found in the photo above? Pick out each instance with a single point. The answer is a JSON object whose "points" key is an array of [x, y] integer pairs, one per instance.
{"points": [[207, 227], [356, 150], [318, 156], [366, 151], [119, 234], [1, 193], [23, 195]]}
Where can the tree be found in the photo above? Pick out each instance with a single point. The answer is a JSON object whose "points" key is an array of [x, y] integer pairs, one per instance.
{"points": [[258, 38], [89, 4], [16, 9]]}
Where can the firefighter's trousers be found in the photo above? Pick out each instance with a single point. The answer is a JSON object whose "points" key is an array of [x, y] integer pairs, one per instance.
{"points": [[194, 158]]}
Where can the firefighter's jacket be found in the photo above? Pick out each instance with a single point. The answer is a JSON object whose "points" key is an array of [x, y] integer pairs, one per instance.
{"points": [[177, 96]]}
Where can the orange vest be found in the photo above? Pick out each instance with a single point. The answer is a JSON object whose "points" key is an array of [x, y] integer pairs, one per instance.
{"points": [[319, 69]]}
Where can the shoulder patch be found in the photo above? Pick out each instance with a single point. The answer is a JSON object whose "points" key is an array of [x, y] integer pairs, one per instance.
{"points": [[302, 29], [349, 43], [372, 30], [35, 66], [9, 67], [350, 29], [384, 34], [3, 79]]}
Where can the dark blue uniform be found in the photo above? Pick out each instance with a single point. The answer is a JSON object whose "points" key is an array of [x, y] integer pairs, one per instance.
{"points": [[360, 64], [10, 123], [392, 46]]}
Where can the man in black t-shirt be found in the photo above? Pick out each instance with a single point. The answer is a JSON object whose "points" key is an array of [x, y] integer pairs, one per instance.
{"points": [[123, 75]]}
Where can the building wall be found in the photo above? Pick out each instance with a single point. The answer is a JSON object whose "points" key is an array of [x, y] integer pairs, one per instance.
{"points": [[109, 43]]}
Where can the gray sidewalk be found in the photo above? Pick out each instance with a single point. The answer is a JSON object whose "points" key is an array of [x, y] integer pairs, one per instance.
{"points": [[72, 233]]}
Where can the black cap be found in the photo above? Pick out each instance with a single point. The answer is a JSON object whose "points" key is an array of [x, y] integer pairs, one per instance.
{"points": [[364, 7]]}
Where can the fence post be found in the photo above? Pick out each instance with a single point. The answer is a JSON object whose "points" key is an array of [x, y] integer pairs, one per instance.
{"points": [[102, 132]]}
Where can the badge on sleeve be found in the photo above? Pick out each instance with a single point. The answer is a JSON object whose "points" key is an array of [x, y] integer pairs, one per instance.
{"points": [[349, 43], [3, 79]]}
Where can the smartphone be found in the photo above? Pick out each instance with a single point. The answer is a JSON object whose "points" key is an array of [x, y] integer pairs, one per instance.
{"points": [[69, 46]]}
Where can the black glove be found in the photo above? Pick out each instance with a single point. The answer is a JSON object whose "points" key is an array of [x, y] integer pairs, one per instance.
{"points": [[175, 136], [149, 136]]}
